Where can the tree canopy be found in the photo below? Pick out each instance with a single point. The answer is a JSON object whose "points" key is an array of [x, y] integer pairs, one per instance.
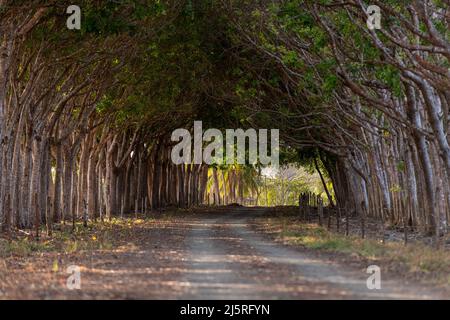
{"points": [[86, 115]]}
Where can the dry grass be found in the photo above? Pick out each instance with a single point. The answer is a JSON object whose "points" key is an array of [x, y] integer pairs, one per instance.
{"points": [[97, 236], [415, 260]]}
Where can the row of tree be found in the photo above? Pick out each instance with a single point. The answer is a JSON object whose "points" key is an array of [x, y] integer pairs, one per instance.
{"points": [[372, 105], [87, 115]]}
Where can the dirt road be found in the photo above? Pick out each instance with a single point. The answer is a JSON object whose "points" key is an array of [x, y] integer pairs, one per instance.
{"points": [[229, 260], [207, 256]]}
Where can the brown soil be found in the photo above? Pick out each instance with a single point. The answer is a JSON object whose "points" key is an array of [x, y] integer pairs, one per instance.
{"points": [[208, 255]]}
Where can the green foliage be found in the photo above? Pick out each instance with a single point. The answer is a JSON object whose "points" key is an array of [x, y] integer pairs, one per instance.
{"points": [[391, 77], [284, 186]]}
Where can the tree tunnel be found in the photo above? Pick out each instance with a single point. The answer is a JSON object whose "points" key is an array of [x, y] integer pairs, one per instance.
{"points": [[87, 115]]}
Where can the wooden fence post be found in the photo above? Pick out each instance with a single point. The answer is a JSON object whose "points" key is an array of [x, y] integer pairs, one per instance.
{"points": [[37, 218], [136, 207], [49, 217], [320, 210], [145, 205]]}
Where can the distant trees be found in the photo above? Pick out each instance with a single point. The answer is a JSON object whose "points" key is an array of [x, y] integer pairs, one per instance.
{"points": [[282, 187]]}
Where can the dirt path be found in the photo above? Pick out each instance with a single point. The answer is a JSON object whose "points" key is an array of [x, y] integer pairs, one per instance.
{"points": [[229, 260], [203, 256]]}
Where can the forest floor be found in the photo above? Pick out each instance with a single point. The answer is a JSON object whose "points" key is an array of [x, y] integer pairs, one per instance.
{"points": [[224, 253]]}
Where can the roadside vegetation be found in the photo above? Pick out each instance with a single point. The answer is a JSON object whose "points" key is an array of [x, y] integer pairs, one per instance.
{"points": [[105, 235], [415, 261]]}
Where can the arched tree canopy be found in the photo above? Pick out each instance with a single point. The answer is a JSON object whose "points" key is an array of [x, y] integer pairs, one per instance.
{"points": [[86, 115]]}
